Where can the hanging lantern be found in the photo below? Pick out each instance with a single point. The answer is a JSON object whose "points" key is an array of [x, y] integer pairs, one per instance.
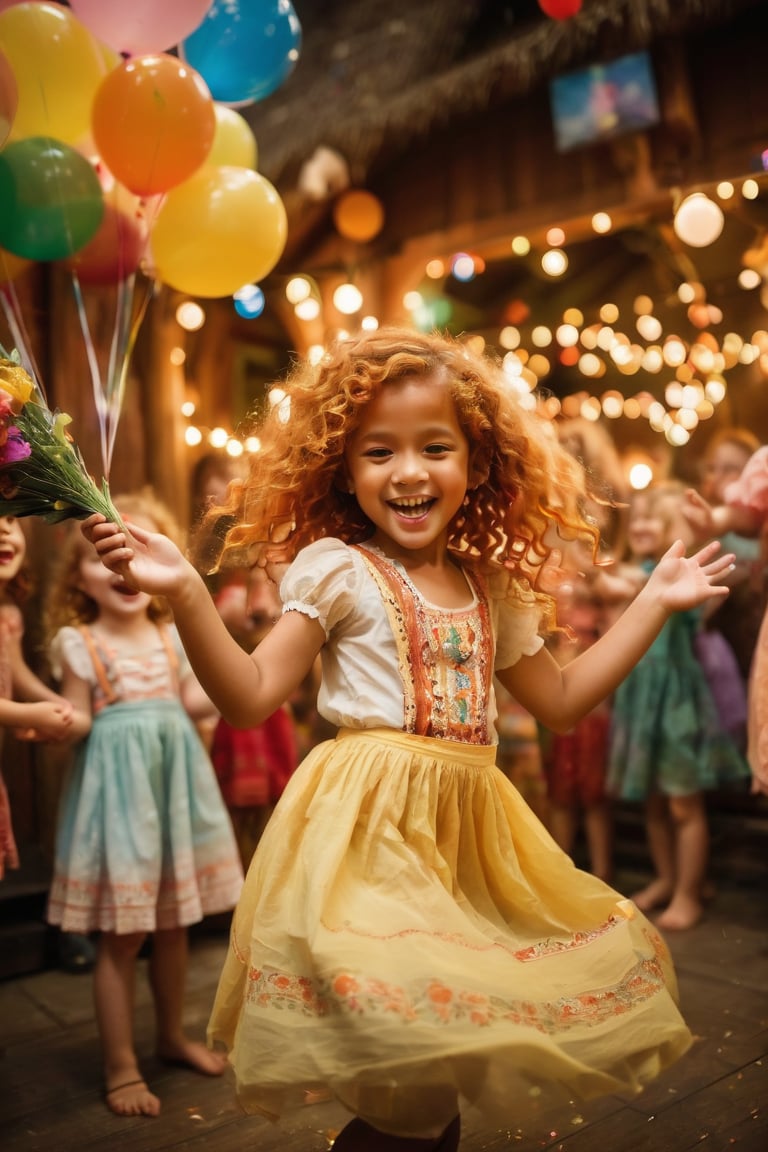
{"points": [[358, 215], [699, 220], [560, 9]]}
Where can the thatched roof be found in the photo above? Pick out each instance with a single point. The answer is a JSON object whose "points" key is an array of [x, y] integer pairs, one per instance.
{"points": [[372, 71]]}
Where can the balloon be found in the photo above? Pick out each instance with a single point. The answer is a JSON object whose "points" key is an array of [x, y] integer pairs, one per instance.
{"points": [[223, 228], [58, 66], [51, 201], [114, 252], [358, 215], [244, 49], [560, 9], [250, 302], [138, 26], [153, 123], [234, 143], [11, 266], [9, 98]]}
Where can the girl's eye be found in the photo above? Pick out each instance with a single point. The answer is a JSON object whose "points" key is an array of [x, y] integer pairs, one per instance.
{"points": [[378, 453], [437, 449]]}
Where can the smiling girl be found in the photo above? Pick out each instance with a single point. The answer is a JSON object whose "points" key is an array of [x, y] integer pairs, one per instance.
{"points": [[144, 843], [27, 705], [409, 937]]}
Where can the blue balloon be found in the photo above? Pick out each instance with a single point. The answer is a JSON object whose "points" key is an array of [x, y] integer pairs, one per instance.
{"points": [[244, 49], [249, 304]]}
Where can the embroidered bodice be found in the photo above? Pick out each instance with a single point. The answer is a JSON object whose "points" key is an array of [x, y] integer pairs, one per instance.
{"points": [[368, 679]]}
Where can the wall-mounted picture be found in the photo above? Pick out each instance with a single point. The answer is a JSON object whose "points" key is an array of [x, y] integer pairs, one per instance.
{"points": [[603, 101]]}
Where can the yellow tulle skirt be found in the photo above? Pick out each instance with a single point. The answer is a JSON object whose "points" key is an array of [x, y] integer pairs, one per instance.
{"points": [[410, 937]]}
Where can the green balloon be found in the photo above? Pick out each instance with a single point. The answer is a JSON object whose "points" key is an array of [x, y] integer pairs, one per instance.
{"points": [[51, 201]]}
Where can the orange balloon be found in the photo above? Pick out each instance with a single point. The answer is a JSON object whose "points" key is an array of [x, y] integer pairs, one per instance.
{"points": [[153, 121], [358, 215], [11, 266]]}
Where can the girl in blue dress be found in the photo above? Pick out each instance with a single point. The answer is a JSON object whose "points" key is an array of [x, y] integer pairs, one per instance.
{"points": [[144, 843], [668, 747]]}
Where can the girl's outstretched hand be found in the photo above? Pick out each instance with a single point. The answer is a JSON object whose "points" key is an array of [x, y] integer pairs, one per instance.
{"points": [[147, 561], [679, 581]]}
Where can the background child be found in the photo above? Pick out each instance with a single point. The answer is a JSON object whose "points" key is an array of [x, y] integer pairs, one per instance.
{"points": [[576, 762], [745, 512], [726, 642], [667, 746], [144, 843], [409, 934], [253, 765], [27, 705]]}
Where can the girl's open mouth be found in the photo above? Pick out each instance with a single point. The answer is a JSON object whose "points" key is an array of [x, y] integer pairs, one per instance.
{"points": [[412, 509]]}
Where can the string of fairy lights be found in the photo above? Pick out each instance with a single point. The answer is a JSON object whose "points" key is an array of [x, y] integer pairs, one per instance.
{"points": [[695, 368]]}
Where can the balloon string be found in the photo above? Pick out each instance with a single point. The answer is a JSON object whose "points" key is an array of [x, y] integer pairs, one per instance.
{"points": [[123, 344], [15, 320], [93, 364]]}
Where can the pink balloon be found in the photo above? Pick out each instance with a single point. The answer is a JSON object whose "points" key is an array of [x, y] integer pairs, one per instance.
{"points": [[136, 27]]}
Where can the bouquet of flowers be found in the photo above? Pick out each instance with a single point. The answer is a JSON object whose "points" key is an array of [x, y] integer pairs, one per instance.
{"points": [[42, 472]]}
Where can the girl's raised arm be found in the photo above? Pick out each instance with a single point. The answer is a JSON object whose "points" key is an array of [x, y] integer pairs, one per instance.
{"points": [[560, 696], [246, 689]]}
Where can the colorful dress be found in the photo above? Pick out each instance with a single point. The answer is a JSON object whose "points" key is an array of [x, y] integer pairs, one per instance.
{"points": [[576, 761], [751, 491], [409, 933], [144, 841], [666, 734], [10, 629]]}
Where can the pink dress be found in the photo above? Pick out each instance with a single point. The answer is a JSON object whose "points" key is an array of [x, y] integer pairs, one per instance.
{"points": [[751, 491], [10, 627]]}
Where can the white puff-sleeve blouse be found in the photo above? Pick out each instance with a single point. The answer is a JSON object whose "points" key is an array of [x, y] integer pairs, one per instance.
{"points": [[361, 686]]}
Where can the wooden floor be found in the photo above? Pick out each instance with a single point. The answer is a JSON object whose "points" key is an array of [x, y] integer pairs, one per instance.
{"points": [[715, 1099]]}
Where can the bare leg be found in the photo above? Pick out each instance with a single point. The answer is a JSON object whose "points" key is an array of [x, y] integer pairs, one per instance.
{"points": [[598, 825], [562, 826], [114, 982], [692, 852], [361, 1137], [168, 977], [661, 845]]}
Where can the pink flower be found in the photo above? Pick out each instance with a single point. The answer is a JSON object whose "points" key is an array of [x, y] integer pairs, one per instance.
{"points": [[13, 447]]}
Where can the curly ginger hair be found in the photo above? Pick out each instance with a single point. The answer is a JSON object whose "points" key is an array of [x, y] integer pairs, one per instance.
{"points": [[524, 484]]}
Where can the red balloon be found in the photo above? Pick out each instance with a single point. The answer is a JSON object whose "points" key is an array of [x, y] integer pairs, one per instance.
{"points": [[560, 9], [114, 252]]}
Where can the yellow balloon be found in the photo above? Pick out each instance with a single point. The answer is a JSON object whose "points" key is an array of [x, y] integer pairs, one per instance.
{"points": [[234, 142], [58, 66], [221, 229]]}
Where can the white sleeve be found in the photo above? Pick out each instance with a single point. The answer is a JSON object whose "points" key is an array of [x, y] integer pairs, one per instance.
{"points": [[323, 582], [68, 647], [516, 624]]}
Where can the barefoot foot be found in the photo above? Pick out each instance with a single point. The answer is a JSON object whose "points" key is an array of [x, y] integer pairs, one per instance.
{"points": [[682, 913], [131, 1097], [655, 894], [193, 1054]]}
